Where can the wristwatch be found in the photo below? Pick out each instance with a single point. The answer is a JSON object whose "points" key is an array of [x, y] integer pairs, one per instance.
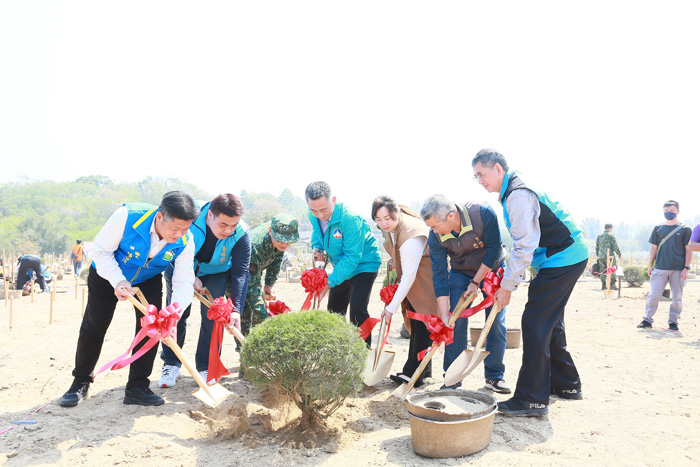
{"points": [[687, 267], [475, 283]]}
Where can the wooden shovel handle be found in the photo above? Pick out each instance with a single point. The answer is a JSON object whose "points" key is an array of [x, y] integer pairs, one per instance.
{"points": [[461, 306], [487, 325]]}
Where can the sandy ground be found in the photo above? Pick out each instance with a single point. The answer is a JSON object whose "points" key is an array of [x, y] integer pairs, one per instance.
{"points": [[641, 403]]}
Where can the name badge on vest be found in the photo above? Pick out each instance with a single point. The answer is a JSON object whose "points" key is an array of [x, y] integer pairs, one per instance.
{"points": [[337, 233], [168, 256]]}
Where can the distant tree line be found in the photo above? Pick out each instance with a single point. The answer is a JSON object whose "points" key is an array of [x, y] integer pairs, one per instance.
{"points": [[41, 217]]}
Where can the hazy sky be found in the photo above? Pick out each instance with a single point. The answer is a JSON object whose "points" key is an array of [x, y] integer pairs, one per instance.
{"points": [[597, 102]]}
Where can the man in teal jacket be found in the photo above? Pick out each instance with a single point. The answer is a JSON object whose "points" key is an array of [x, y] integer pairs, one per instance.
{"points": [[222, 250], [351, 248]]}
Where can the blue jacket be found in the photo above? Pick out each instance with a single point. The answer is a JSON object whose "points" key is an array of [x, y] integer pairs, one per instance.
{"points": [[132, 252], [349, 244], [561, 241], [221, 260]]}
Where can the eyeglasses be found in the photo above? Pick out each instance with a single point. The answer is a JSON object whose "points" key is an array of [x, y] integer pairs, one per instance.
{"points": [[480, 175]]}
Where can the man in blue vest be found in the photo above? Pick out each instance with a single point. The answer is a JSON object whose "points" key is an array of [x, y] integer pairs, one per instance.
{"points": [[136, 244], [222, 250], [546, 238], [351, 248]]}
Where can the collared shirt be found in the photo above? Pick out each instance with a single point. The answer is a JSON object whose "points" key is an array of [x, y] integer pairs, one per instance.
{"points": [[108, 239]]}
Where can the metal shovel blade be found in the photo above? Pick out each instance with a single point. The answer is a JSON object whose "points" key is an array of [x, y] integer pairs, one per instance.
{"points": [[463, 365], [214, 395], [386, 359], [470, 359]]}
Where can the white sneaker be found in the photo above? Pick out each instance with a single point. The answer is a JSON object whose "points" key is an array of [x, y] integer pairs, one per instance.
{"points": [[498, 385], [203, 374], [169, 375]]}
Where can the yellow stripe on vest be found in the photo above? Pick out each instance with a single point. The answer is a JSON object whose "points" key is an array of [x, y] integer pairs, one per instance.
{"points": [[143, 218]]}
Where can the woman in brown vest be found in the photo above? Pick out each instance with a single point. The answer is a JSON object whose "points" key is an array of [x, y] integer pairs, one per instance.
{"points": [[406, 241]]}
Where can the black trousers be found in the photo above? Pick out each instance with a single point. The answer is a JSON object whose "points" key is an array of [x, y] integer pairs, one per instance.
{"points": [[420, 341], [546, 362], [99, 312], [355, 292]]}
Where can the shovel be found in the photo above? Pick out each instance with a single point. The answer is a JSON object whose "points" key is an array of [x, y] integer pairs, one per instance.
{"points": [[210, 394], [405, 389], [470, 359], [378, 362], [207, 302]]}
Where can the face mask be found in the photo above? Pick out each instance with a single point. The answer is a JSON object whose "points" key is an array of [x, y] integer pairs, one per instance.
{"points": [[670, 215]]}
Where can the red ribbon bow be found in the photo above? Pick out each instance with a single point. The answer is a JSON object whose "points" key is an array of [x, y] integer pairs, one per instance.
{"points": [[219, 312], [314, 281], [439, 333], [155, 325], [387, 293], [277, 308], [610, 270]]}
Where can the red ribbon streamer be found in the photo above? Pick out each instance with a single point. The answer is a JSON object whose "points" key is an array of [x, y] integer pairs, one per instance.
{"points": [[492, 282], [314, 281], [277, 308], [220, 313], [155, 325], [386, 294], [366, 329]]}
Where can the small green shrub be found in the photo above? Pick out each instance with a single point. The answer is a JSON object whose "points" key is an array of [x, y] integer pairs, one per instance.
{"points": [[316, 357], [633, 276]]}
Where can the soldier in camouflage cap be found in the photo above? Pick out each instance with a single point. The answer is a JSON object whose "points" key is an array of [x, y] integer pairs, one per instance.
{"points": [[605, 243], [268, 244]]}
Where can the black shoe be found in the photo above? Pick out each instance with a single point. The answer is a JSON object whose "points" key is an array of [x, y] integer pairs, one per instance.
{"points": [[673, 326], [573, 394], [452, 386], [75, 395], [404, 332], [142, 396], [521, 408], [644, 324]]}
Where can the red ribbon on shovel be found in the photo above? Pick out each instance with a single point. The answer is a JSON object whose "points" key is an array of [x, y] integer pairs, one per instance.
{"points": [[386, 294], [439, 333], [219, 312], [154, 325], [277, 307], [314, 280]]}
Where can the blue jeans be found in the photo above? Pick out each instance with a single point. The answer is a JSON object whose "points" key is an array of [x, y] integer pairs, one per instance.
{"points": [[216, 283], [495, 341]]}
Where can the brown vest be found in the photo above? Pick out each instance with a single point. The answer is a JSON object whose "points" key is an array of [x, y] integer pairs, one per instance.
{"points": [[421, 295], [467, 251]]}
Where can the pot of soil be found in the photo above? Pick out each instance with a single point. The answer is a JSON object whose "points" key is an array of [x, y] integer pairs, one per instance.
{"points": [[451, 423]]}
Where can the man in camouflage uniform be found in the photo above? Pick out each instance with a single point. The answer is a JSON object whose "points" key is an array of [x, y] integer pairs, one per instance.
{"points": [[604, 243], [268, 243]]}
